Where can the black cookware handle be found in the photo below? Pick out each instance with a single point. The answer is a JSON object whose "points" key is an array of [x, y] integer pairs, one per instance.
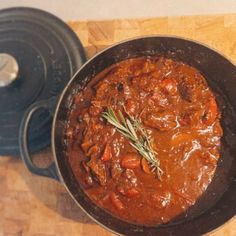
{"points": [[51, 170]]}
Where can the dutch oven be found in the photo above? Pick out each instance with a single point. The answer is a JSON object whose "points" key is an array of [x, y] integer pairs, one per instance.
{"points": [[220, 201]]}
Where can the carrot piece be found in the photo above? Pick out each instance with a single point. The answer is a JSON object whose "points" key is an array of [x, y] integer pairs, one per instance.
{"points": [[116, 201], [106, 156], [130, 161], [132, 192], [145, 166]]}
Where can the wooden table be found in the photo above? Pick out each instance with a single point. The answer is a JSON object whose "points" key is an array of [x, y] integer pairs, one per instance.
{"points": [[36, 206]]}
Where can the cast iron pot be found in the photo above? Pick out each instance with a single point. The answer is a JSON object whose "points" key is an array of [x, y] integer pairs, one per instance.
{"points": [[219, 203]]}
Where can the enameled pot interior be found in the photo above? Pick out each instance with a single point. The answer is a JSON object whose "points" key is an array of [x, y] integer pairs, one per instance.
{"points": [[218, 204]]}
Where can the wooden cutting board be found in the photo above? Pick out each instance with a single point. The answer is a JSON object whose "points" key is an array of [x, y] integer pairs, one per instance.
{"points": [[36, 206]]}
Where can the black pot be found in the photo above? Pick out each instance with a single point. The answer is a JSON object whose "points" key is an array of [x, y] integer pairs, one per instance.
{"points": [[219, 201]]}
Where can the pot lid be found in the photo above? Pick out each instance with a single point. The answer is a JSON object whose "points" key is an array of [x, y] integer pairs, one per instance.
{"points": [[39, 54]]}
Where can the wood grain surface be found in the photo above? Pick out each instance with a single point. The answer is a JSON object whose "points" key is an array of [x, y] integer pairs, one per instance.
{"points": [[37, 206]]}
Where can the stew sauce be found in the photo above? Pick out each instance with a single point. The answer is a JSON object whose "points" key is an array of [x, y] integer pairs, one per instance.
{"points": [[179, 111]]}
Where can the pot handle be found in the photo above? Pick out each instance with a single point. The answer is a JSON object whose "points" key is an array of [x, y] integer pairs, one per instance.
{"points": [[50, 171]]}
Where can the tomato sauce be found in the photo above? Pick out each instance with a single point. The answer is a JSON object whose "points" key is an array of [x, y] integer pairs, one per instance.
{"points": [[177, 109]]}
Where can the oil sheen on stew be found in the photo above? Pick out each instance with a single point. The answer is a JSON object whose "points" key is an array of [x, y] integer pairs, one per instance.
{"points": [[177, 109]]}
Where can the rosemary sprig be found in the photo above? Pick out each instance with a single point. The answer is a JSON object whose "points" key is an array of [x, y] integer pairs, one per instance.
{"points": [[142, 142]]}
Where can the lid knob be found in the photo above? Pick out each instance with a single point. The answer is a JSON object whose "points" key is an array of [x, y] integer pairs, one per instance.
{"points": [[8, 69]]}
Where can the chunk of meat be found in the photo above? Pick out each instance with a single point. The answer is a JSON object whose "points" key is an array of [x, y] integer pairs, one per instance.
{"points": [[106, 156], [186, 88], [161, 200], [116, 201], [192, 118], [163, 121], [131, 177], [158, 100], [98, 169], [169, 86], [116, 169], [127, 180]]}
